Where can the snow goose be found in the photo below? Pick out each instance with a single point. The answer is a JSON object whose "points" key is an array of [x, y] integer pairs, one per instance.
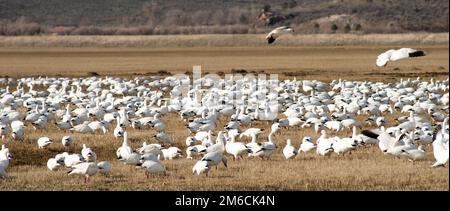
{"points": [[343, 145], [88, 154], [171, 153], [289, 151], [98, 125], [201, 167], [53, 164], [277, 32], [406, 143], [215, 158], [4, 130], [409, 125], [414, 154], [154, 149], [66, 141], [72, 159], [118, 130], [104, 167], [18, 130], [267, 148], [63, 125], [86, 169], [82, 128], [44, 142], [394, 55], [5, 157], [364, 138], [324, 145], [237, 149], [333, 125], [152, 167], [163, 138], [219, 146], [250, 132], [125, 150], [440, 150], [307, 144]]}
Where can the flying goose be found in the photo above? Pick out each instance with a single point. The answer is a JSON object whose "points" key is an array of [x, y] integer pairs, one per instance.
{"points": [[274, 34], [394, 55]]}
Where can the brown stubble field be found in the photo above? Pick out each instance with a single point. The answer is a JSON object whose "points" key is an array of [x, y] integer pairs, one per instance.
{"points": [[304, 62], [365, 169]]}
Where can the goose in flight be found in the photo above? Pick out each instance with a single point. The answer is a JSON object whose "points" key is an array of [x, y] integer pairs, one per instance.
{"points": [[394, 55], [274, 34]]}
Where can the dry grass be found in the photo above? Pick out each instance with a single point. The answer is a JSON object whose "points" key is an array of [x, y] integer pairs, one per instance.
{"points": [[216, 40], [365, 169]]}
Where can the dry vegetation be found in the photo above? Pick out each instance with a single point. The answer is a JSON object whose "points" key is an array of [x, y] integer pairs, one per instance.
{"points": [[365, 169], [141, 17]]}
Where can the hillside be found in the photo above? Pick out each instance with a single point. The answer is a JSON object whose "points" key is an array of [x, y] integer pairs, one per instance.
{"points": [[123, 17]]}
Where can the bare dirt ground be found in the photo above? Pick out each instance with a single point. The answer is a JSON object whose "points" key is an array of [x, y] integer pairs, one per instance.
{"points": [[321, 63]]}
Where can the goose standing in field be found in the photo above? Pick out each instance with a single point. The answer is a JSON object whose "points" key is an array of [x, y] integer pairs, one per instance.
{"points": [[394, 55], [44, 142], [73, 159], [414, 154], [104, 167], [307, 144], [237, 149], [267, 148], [274, 34], [86, 169], [67, 141], [4, 130], [155, 149], [289, 151], [250, 132], [171, 153], [18, 130], [215, 158], [88, 154], [152, 167], [440, 147], [118, 130], [125, 150], [54, 164], [5, 157], [324, 145], [201, 167]]}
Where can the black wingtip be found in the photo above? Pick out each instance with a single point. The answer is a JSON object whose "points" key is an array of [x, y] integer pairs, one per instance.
{"points": [[417, 54], [369, 134], [270, 40]]}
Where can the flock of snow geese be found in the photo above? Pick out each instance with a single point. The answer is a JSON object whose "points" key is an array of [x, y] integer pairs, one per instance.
{"points": [[94, 104]]}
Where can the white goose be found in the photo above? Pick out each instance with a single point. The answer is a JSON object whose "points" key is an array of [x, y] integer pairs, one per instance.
{"points": [[104, 167], [88, 154], [201, 167], [66, 141], [440, 149], [307, 144], [394, 55], [237, 149], [44, 142], [289, 151], [274, 34], [125, 150], [87, 169]]}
